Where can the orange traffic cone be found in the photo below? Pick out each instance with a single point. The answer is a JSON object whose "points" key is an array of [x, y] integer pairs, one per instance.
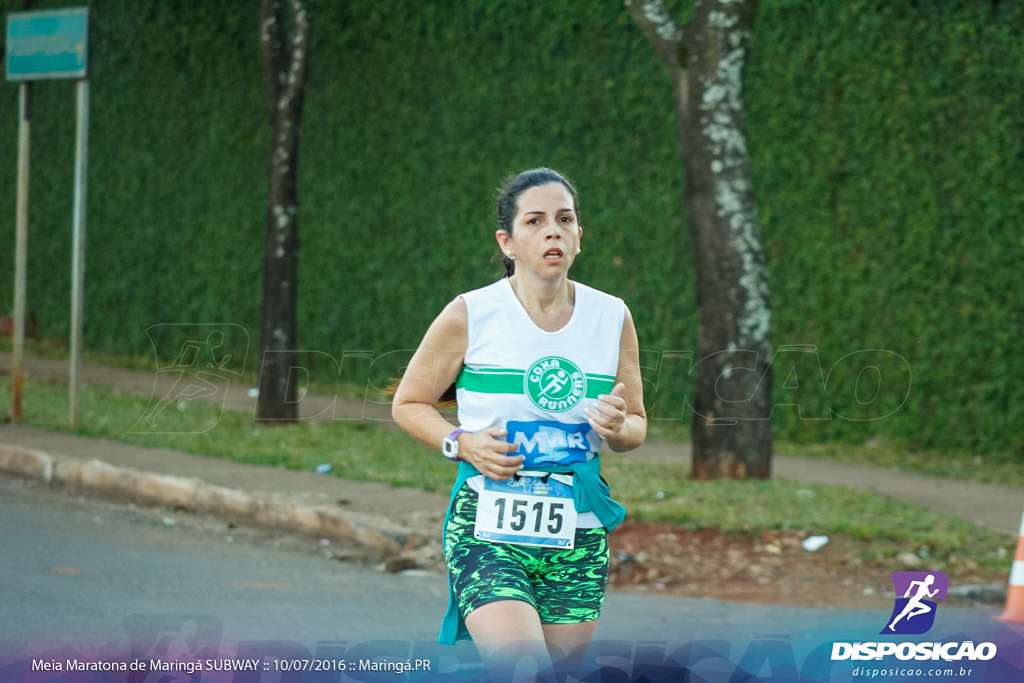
{"points": [[1014, 612]]}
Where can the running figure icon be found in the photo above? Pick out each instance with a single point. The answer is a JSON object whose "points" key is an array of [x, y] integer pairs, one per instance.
{"points": [[194, 364], [556, 381], [915, 606], [916, 596]]}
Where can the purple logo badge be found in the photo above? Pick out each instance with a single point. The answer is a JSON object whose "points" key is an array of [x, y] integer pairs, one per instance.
{"points": [[916, 593]]}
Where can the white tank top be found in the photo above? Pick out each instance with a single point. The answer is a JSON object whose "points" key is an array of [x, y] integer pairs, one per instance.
{"points": [[537, 384]]}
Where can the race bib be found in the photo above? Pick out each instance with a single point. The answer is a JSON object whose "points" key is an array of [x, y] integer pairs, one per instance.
{"points": [[528, 510]]}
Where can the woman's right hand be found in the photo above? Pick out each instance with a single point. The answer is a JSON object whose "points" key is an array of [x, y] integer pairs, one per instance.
{"points": [[488, 451]]}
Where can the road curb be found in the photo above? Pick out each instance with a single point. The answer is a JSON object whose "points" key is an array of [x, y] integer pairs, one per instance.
{"points": [[377, 539]]}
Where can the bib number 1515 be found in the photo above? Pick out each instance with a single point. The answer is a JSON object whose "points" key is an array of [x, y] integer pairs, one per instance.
{"points": [[526, 519], [522, 514]]}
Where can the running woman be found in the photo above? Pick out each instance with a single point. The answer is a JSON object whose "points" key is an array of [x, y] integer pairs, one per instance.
{"points": [[546, 371]]}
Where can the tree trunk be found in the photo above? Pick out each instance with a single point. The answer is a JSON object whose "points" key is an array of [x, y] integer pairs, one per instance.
{"points": [[733, 386], [285, 73]]}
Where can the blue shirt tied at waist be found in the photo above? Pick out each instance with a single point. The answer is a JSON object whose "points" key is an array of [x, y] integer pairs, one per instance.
{"points": [[590, 494]]}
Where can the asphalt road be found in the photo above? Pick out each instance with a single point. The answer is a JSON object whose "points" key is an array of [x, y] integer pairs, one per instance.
{"points": [[105, 579], [79, 567]]}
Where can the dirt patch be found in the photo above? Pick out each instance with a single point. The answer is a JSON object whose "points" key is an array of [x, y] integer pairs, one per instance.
{"points": [[773, 568]]}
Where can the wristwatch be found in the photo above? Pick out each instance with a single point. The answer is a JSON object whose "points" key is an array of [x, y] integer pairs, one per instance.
{"points": [[450, 445]]}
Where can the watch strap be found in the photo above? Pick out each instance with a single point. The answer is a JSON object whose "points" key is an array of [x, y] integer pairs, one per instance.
{"points": [[450, 445]]}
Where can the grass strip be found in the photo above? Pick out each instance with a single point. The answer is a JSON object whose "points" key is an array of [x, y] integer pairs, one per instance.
{"points": [[651, 491]]}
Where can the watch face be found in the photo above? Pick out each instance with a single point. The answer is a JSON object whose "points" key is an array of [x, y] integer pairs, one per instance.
{"points": [[450, 445]]}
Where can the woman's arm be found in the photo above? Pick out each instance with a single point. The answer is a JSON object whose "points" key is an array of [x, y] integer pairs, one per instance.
{"points": [[432, 369], [619, 418]]}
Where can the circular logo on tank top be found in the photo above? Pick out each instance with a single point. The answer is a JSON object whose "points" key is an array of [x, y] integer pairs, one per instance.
{"points": [[555, 384]]}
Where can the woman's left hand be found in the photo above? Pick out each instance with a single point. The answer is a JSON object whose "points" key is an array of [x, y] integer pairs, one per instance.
{"points": [[608, 415]]}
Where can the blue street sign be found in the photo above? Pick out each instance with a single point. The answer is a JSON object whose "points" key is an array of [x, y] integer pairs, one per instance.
{"points": [[47, 44]]}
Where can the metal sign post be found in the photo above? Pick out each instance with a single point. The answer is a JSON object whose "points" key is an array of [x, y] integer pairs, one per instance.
{"points": [[78, 246], [21, 248], [49, 45]]}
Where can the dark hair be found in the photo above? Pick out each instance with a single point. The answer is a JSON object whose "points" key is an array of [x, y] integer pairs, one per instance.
{"points": [[513, 187]]}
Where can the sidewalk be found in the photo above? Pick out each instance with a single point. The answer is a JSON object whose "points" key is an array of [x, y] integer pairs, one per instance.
{"points": [[372, 521], [367, 521]]}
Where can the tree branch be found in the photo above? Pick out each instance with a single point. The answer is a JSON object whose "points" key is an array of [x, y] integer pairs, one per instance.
{"points": [[662, 30], [298, 48], [270, 42]]}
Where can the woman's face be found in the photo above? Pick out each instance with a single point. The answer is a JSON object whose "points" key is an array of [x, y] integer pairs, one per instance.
{"points": [[545, 232]]}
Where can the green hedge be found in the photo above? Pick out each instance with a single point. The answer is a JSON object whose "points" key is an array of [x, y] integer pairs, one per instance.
{"points": [[888, 165], [889, 159]]}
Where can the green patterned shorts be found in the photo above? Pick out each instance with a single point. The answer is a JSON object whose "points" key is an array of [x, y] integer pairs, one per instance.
{"points": [[564, 586]]}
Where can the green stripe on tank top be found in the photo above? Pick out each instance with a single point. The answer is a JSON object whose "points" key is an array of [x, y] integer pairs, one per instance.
{"points": [[501, 381]]}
